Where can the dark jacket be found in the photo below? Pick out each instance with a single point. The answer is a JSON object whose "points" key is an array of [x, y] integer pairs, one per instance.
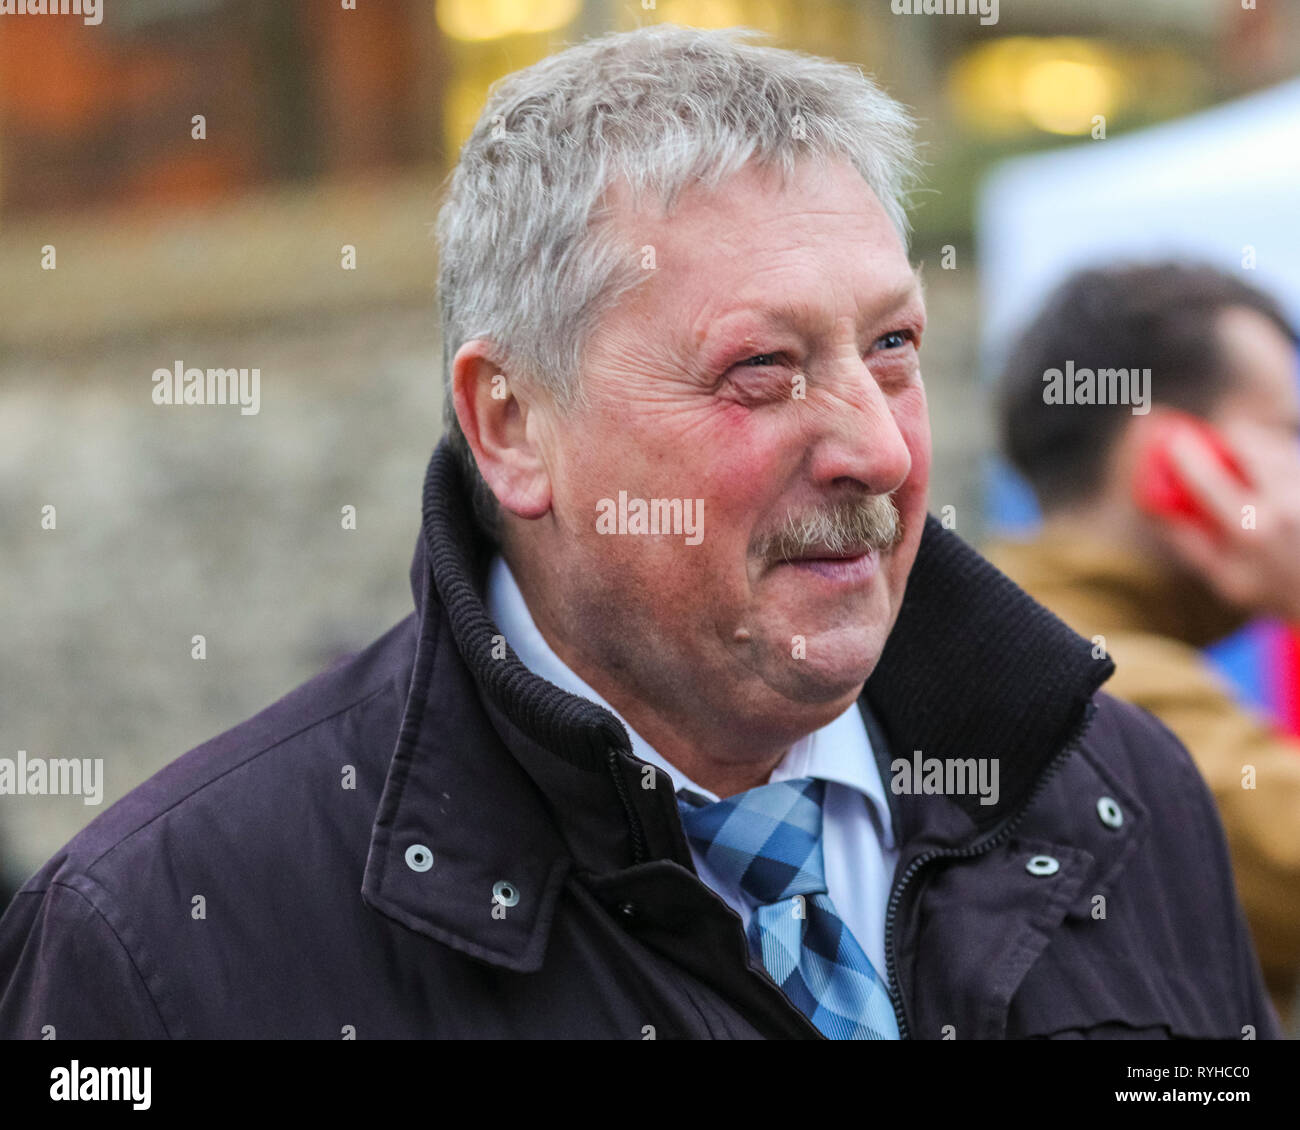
{"points": [[1155, 623], [246, 891]]}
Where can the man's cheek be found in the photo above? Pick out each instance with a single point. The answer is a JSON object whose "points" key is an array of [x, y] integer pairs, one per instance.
{"points": [[741, 466], [590, 477]]}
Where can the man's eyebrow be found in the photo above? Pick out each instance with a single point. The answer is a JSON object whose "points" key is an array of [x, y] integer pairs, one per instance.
{"points": [[791, 311]]}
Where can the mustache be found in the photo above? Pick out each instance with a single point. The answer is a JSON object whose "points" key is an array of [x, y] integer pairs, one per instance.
{"points": [[843, 527]]}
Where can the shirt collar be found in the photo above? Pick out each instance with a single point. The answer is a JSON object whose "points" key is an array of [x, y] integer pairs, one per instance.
{"points": [[840, 751]]}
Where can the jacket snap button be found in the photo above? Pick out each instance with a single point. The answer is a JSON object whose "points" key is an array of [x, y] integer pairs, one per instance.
{"points": [[1042, 865], [627, 910], [419, 857], [505, 893], [1111, 814]]}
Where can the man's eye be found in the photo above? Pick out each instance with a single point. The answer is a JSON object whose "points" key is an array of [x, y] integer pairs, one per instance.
{"points": [[895, 340], [761, 360]]}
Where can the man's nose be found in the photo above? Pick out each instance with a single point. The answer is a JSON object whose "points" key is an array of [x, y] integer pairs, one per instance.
{"points": [[858, 437]]}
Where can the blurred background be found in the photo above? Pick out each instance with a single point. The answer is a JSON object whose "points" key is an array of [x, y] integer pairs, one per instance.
{"points": [[183, 181]]}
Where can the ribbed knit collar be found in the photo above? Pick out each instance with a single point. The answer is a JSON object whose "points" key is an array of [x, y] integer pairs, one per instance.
{"points": [[973, 667]]}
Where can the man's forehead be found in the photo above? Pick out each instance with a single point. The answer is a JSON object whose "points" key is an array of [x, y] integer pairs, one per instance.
{"points": [[717, 266], [877, 296], [736, 201]]}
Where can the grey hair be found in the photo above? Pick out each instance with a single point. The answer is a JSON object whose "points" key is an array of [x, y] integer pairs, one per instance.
{"points": [[526, 257]]}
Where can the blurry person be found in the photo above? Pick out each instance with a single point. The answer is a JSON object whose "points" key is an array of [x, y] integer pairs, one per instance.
{"points": [[1167, 529], [622, 773]]}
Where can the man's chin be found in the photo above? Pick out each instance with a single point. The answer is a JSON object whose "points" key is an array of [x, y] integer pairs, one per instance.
{"points": [[830, 667]]}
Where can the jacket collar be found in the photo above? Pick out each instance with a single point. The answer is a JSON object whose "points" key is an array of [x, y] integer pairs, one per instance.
{"points": [[507, 779], [976, 668], [1107, 589]]}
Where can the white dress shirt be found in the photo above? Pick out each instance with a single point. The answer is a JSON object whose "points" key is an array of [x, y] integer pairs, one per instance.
{"points": [[858, 848]]}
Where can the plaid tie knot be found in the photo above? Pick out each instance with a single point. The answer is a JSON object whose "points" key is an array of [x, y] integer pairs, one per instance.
{"points": [[768, 840]]}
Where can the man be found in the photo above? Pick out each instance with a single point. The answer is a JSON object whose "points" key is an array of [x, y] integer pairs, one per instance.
{"points": [[1156, 588], [618, 776]]}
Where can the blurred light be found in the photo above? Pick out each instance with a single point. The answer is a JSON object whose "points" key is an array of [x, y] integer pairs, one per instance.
{"points": [[706, 13], [797, 20], [479, 20], [462, 104], [1062, 96], [1055, 84]]}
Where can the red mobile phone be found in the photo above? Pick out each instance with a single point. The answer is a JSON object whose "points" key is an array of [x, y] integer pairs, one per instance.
{"points": [[1158, 487]]}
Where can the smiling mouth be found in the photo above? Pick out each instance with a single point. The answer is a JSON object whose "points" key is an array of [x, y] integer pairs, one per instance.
{"points": [[822, 553], [849, 567]]}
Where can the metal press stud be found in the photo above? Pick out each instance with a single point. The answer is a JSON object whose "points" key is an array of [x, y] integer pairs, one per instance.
{"points": [[1110, 812], [419, 857], [1042, 865], [505, 893]]}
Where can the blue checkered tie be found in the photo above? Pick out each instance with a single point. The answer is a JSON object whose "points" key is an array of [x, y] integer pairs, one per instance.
{"points": [[769, 841]]}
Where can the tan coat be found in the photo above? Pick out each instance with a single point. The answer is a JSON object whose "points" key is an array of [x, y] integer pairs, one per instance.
{"points": [[1153, 627]]}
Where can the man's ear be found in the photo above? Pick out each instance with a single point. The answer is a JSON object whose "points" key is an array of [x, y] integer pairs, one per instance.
{"points": [[502, 426]]}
